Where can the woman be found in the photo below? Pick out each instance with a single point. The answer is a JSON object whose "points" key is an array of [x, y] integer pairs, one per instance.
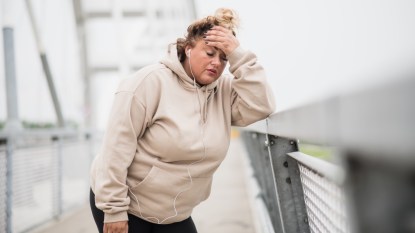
{"points": [[169, 130]]}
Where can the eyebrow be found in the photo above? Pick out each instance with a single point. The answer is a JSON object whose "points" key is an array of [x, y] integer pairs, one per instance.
{"points": [[216, 50], [221, 53]]}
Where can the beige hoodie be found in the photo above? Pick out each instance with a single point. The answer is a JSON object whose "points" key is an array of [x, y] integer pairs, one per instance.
{"points": [[166, 137]]}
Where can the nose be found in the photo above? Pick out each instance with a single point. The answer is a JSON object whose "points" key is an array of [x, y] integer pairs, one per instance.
{"points": [[215, 60]]}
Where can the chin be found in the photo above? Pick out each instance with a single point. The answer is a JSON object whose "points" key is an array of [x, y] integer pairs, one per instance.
{"points": [[209, 80]]}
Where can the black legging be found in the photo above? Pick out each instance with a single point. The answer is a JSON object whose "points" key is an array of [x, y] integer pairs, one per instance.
{"points": [[138, 225]]}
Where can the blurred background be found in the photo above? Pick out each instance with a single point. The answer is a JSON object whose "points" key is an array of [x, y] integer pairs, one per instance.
{"points": [[309, 49], [61, 60]]}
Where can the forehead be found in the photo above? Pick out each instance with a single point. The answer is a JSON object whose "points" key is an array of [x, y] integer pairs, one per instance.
{"points": [[200, 44]]}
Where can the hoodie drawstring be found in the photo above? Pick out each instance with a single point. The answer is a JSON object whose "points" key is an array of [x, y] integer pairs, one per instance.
{"points": [[203, 109]]}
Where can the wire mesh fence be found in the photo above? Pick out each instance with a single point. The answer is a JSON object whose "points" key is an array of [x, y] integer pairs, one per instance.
{"points": [[325, 202], [35, 181], [48, 178], [306, 194]]}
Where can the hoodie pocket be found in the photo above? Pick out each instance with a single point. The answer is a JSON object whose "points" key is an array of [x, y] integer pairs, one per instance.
{"points": [[155, 197], [198, 192]]}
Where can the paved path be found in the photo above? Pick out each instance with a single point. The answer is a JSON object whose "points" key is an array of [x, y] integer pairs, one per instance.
{"points": [[226, 211]]}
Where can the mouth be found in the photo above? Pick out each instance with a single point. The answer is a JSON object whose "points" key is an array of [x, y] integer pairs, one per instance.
{"points": [[212, 71]]}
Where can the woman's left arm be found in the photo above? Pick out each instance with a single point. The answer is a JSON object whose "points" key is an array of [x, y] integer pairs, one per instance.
{"points": [[252, 97]]}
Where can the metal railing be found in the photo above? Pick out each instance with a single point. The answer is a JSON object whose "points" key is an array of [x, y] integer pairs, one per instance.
{"points": [[368, 186], [3, 184], [324, 194], [44, 174]]}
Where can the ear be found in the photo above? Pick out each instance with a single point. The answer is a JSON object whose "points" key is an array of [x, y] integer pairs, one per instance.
{"points": [[188, 50]]}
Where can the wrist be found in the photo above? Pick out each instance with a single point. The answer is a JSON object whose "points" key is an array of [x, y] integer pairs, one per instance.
{"points": [[116, 217]]}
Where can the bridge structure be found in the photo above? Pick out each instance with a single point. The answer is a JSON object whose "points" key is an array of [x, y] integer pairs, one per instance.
{"points": [[344, 163]]}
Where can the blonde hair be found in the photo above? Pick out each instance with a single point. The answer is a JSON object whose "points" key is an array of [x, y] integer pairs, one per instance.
{"points": [[224, 17]]}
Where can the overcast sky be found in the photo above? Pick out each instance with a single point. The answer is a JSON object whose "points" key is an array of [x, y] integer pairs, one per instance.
{"points": [[314, 49]]}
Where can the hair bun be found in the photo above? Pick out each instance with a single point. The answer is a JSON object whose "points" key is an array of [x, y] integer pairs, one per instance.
{"points": [[227, 18]]}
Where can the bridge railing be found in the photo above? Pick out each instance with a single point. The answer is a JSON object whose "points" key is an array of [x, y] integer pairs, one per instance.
{"points": [[368, 182], [43, 175]]}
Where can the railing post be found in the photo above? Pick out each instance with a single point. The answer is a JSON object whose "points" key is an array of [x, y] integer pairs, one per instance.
{"points": [[292, 212], [381, 194], [59, 167], [9, 184], [258, 152]]}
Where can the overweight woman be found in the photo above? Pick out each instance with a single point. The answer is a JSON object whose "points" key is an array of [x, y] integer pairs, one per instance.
{"points": [[169, 129]]}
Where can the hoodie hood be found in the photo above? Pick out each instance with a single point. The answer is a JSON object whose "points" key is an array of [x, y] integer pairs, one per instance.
{"points": [[172, 62]]}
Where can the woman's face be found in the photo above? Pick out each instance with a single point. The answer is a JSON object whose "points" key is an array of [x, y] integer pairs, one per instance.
{"points": [[206, 63]]}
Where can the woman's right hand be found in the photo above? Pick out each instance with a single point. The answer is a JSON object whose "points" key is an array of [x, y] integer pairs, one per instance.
{"points": [[116, 227]]}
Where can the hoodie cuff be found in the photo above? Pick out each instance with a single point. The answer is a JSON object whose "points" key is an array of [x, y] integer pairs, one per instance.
{"points": [[236, 54], [116, 217]]}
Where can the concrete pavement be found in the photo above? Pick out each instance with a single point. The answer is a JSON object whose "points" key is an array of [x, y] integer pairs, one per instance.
{"points": [[227, 210]]}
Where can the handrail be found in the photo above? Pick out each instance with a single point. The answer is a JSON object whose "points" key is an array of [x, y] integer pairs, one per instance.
{"points": [[47, 133], [326, 169], [378, 121]]}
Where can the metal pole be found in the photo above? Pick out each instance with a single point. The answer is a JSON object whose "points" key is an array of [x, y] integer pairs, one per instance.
{"points": [[59, 185], [260, 160], [288, 185], [12, 123], [82, 35], [45, 65]]}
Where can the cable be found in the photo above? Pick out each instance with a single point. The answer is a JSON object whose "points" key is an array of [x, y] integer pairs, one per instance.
{"points": [[202, 132]]}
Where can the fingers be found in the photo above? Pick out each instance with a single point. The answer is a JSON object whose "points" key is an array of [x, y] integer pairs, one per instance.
{"points": [[222, 39], [116, 227], [215, 34]]}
